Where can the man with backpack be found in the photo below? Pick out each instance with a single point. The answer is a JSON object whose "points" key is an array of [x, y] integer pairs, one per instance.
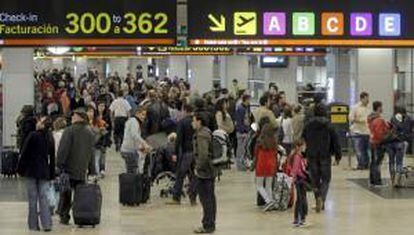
{"points": [[205, 172], [379, 129]]}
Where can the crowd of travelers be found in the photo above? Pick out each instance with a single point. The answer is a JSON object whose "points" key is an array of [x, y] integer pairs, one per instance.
{"points": [[75, 121]]}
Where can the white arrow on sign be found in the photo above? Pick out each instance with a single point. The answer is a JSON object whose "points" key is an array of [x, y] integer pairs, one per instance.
{"points": [[218, 26]]}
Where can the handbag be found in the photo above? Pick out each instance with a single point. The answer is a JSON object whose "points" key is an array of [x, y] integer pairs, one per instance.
{"points": [[63, 182], [280, 133]]}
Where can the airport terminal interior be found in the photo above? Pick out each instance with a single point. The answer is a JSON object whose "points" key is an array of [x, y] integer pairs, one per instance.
{"points": [[61, 60]]}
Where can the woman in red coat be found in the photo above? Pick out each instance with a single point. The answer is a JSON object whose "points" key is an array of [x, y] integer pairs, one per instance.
{"points": [[266, 162]]}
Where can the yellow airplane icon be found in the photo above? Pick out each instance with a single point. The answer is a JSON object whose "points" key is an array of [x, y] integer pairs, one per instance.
{"points": [[245, 23]]}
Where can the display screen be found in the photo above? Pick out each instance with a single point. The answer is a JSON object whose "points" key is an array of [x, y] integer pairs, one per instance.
{"points": [[87, 22], [371, 23], [274, 61]]}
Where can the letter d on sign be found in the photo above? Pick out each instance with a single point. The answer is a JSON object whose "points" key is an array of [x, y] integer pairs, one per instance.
{"points": [[361, 24]]}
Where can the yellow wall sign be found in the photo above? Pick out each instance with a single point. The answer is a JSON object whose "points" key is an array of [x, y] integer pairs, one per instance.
{"points": [[339, 109], [245, 23], [339, 118]]}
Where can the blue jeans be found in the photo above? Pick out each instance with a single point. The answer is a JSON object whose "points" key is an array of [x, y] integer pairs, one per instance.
{"points": [[100, 155], [361, 146], [241, 151], [37, 191], [396, 153]]}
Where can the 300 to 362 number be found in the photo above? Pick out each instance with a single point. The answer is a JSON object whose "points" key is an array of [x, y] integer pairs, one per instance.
{"points": [[144, 23]]}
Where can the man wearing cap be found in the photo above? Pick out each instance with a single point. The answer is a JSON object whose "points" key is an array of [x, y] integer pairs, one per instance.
{"points": [[242, 117], [75, 156]]}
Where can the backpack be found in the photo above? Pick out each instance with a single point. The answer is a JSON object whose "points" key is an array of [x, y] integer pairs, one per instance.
{"points": [[221, 148], [282, 191]]}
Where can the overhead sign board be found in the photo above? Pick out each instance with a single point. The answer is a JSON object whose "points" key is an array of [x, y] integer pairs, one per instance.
{"points": [[379, 23], [87, 22], [197, 51]]}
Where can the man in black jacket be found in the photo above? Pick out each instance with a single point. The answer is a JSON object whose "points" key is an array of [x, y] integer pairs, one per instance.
{"points": [[75, 157], [184, 151], [157, 113], [321, 142]]}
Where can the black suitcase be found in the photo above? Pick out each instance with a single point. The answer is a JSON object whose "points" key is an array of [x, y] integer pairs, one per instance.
{"points": [[260, 201], [9, 162], [130, 189], [87, 205], [146, 189]]}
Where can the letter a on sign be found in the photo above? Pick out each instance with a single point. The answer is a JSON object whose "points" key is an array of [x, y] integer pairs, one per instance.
{"points": [[274, 23]]}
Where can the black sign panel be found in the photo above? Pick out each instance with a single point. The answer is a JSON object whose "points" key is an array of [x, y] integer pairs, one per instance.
{"points": [[378, 23], [197, 51], [88, 22]]}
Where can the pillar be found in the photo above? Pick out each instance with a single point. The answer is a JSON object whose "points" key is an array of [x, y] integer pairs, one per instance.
{"points": [[18, 88], [201, 73], [375, 76]]}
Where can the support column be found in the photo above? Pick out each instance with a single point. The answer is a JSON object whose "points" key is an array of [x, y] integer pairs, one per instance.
{"points": [[375, 76], [118, 65], [18, 87], [177, 66], [237, 67], [201, 73], [341, 67], [285, 79]]}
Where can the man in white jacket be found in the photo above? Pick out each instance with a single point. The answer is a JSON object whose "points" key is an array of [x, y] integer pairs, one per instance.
{"points": [[134, 148], [359, 130]]}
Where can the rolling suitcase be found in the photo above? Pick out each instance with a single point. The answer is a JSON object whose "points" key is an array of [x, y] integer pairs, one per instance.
{"points": [[130, 189], [405, 179], [146, 189], [9, 162], [87, 205], [260, 201]]}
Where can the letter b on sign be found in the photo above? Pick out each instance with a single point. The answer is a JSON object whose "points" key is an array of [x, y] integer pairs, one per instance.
{"points": [[303, 24]]}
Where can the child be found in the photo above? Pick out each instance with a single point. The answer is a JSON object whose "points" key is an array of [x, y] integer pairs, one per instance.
{"points": [[300, 180], [266, 162]]}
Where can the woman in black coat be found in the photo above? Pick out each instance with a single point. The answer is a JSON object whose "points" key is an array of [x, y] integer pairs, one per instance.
{"points": [[37, 164]]}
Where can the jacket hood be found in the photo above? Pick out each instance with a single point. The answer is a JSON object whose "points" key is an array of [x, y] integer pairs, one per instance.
{"points": [[204, 133], [319, 121]]}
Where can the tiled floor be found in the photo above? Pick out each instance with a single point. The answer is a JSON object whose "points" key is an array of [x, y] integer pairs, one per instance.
{"points": [[351, 209]]}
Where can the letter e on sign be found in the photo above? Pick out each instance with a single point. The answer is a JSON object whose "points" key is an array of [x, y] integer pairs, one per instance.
{"points": [[332, 24], [390, 24]]}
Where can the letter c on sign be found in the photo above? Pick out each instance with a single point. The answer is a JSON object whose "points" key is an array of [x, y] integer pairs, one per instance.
{"points": [[332, 24]]}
